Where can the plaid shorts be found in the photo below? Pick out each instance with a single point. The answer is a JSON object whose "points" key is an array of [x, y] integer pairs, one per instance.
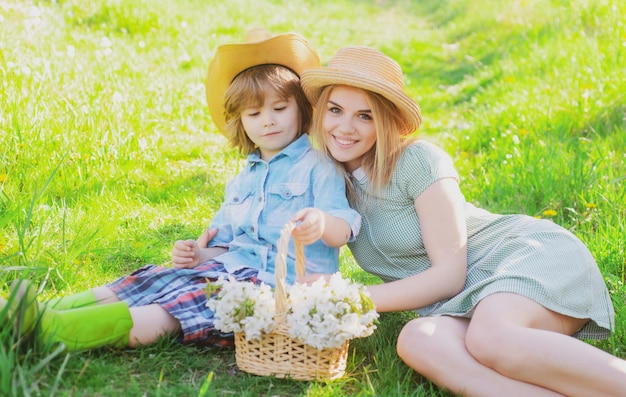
{"points": [[182, 293]]}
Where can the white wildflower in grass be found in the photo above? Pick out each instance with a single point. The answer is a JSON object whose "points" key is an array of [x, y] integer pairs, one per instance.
{"points": [[324, 314]]}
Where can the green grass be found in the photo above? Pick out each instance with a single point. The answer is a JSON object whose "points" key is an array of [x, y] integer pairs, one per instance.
{"points": [[108, 155]]}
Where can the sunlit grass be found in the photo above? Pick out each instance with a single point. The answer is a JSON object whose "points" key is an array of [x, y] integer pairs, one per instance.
{"points": [[107, 153]]}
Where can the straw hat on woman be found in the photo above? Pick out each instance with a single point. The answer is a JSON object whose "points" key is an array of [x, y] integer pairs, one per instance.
{"points": [[371, 70]]}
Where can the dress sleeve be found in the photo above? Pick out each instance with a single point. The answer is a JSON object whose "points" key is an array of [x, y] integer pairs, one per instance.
{"points": [[420, 165]]}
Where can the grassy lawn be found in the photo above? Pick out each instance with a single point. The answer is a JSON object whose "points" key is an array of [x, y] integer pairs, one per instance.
{"points": [[108, 155]]}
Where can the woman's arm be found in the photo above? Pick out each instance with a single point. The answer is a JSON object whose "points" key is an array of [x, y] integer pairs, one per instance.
{"points": [[440, 209]]}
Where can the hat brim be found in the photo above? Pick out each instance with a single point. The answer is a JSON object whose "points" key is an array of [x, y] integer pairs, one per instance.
{"points": [[314, 80], [289, 50]]}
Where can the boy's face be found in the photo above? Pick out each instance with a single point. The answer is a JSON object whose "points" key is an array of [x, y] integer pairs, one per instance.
{"points": [[273, 125]]}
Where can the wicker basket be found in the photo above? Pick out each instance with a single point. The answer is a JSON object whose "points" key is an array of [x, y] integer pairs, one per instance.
{"points": [[276, 353]]}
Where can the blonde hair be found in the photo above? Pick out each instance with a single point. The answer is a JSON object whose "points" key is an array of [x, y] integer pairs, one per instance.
{"points": [[379, 163], [249, 88]]}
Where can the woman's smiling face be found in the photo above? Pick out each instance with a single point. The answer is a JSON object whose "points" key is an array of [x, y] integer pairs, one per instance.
{"points": [[348, 126]]}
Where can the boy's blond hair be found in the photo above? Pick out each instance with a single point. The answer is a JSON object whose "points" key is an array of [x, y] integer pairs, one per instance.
{"points": [[250, 88]]}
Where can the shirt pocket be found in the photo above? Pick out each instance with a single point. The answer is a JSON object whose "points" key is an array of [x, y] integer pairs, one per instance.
{"points": [[284, 200], [237, 208]]}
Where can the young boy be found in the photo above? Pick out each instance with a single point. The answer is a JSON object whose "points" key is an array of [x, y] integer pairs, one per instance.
{"points": [[255, 99]]}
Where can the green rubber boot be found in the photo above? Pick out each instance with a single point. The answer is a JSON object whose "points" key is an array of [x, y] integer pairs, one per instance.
{"points": [[87, 327], [81, 328]]}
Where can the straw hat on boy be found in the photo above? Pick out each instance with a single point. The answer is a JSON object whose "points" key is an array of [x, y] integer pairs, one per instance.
{"points": [[368, 69], [259, 48]]}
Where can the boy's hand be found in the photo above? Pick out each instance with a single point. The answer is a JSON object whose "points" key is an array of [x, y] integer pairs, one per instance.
{"points": [[185, 254], [310, 225], [205, 237]]}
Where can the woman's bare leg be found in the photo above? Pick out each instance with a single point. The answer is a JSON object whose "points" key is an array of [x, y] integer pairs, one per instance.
{"points": [[522, 340], [435, 348]]}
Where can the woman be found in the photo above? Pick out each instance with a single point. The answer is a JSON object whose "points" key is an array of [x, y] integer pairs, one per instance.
{"points": [[499, 296]]}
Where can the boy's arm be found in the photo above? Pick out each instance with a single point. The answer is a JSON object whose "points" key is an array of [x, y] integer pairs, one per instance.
{"points": [[190, 253], [337, 231], [341, 222], [314, 224], [207, 253]]}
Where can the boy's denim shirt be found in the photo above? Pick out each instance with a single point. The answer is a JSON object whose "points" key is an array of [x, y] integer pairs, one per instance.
{"points": [[265, 195]]}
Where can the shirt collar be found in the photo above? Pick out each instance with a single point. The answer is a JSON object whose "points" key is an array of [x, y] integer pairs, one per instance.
{"points": [[294, 150], [359, 175]]}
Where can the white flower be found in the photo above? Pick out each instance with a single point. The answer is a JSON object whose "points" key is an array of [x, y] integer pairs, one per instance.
{"points": [[243, 307], [324, 314]]}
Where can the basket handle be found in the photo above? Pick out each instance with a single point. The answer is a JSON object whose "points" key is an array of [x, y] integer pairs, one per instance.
{"points": [[280, 267]]}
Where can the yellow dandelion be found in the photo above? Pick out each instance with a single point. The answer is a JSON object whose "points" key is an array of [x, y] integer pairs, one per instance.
{"points": [[549, 213], [3, 177], [589, 205]]}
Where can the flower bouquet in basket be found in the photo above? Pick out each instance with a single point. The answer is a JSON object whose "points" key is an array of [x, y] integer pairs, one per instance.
{"points": [[298, 331]]}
